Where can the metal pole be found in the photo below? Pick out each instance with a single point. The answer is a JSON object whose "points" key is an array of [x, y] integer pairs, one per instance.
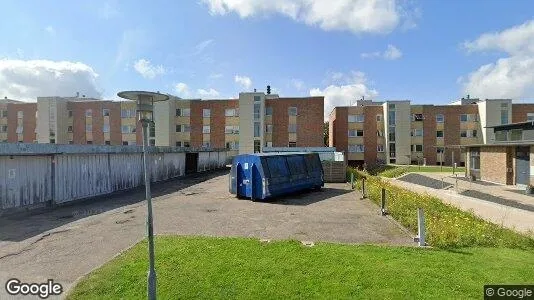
{"points": [[441, 158], [421, 227], [363, 188], [151, 289], [383, 209], [352, 180]]}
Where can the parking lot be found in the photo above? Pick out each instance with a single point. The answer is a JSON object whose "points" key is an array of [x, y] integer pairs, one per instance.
{"points": [[68, 242]]}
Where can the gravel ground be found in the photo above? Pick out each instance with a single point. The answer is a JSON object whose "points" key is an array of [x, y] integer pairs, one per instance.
{"points": [[424, 181], [69, 242]]}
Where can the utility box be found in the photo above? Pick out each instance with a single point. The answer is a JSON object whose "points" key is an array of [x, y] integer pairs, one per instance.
{"points": [[261, 176]]}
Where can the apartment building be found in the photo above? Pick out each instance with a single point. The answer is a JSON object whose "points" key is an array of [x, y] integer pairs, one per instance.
{"points": [[399, 132], [245, 124]]}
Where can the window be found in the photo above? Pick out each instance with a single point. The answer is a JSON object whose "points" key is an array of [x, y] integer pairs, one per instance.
{"points": [[105, 128], [392, 150], [463, 118], [391, 106], [439, 150], [379, 118], [268, 111], [359, 132], [530, 116], [232, 145], [183, 112], [125, 143], [178, 128], [474, 156], [356, 148], [152, 130], [417, 117], [257, 129], [391, 134], [501, 136], [292, 144], [356, 118], [88, 112], [379, 148], [257, 109], [152, 142], [69, 113], [3, 113], [178, 144], [504, 105], [474, 133], [379, 133], [391, 117], [71, 142], [417, 132], [292, 111], [52, 141], [88, 127], [206, 129], [439, 133], [268, 144], [463, 133], [269, 128], [257, 146], [257, 98], [3, 128], [105, 112], [292, 128], [107, 142], [504, 116], [440, 118], [352, 132], [206, 112], [186, 144], [229, 129], [418, 148], [230, 112], [128, 128], [516, 134], [89, 142], [20, 114], [206, 145]]}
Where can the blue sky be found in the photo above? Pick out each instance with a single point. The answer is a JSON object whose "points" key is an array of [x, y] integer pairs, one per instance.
{"points": [[438, 50]]}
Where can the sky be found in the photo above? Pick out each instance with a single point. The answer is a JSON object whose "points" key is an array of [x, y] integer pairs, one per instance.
{"points": [[429, 52]]}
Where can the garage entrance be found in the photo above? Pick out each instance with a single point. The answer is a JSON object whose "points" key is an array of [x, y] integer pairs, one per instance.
{"points": [[191, 163], [522, 172]]}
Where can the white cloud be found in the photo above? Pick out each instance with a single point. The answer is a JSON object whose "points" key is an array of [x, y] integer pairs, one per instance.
{"points": [[211, 93], [297, 83], [50, 30], [244, 81], [147, 70], [215, 76], [28, 79], [182, 90], [378, 16], [508, 77], [354, 87], [391, 53]]}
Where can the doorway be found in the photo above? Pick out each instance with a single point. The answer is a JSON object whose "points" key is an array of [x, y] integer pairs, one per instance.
{"points": [[522, 171], [191, 162]]}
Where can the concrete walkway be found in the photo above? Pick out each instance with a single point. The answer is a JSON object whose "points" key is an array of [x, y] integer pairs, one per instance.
{"points": [[502, 205], [69, 242]]}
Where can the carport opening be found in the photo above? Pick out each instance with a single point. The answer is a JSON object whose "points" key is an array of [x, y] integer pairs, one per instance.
{"points": [[191, 162]]}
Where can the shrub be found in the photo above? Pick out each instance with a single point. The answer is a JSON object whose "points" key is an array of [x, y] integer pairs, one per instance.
{"points": [[446, 225]]}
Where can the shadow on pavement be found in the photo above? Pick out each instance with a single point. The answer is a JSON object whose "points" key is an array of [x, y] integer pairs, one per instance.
{"points": [[309, 196], [498, 200], [21, 226]]}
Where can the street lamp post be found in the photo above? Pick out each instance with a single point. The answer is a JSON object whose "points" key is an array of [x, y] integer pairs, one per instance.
{"points": [[145, 111]]}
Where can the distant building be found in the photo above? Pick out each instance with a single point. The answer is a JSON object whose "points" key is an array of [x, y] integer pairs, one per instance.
{"points": [[247, 124], [398, 132]]}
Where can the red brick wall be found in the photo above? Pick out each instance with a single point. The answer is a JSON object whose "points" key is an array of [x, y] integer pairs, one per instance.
{"points": [[452, 128], [494, 162], [369, 129], [197, 122], [29, 121], [79, 120], [114, 122], [519, 112], [341, 129], [429, 133], [310, 120]]}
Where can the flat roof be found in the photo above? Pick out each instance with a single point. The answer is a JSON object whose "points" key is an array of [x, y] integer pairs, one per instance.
{"points": [[517, 125]]}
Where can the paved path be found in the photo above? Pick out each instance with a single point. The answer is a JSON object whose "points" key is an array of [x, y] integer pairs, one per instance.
{"points": [[71, 241], [502, 205]]}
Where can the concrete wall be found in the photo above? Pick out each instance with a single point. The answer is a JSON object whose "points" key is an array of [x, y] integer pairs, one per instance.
{"points": [[35, 175]]}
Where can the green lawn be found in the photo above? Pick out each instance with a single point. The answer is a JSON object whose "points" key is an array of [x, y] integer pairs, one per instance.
{"points": [[229, 268]]}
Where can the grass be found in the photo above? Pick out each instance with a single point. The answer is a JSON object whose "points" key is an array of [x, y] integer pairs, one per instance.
{"points": [[238, 268], [446, 225]]}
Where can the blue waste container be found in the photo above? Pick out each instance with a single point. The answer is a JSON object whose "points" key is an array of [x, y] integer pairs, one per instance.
{"points": [[260, 176]]}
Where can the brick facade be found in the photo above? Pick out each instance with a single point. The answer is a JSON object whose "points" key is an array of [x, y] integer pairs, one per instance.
{"points": [[520, 111], [29, 122], [495, 162], [370, 136]]}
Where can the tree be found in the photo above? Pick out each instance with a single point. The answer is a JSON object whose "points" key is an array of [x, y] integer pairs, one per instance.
{"points": [[326, 133]]}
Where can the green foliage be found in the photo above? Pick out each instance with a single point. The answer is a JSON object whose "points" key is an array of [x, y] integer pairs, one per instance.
{"points": [[239, 268], [446, 225]]}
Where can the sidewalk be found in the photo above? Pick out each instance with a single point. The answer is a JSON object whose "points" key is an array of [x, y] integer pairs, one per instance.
{"points": [[499, 204]]}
